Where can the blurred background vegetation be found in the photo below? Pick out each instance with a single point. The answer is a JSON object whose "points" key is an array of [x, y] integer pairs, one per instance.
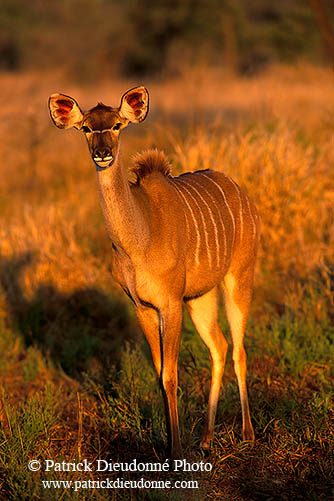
{"points": [[96, 38]]}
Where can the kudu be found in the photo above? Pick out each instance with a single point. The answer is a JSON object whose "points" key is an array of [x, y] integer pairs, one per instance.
{"points": [[174, 240]]}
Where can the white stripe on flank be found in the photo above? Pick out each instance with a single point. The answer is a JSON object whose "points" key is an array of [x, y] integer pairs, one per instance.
{"points": [[202, 216], [185, 214], [224, 196], [210, 213], [240, 207], [251, 215], [180, 194], [187, 225], [219, 214], [203, 221]]}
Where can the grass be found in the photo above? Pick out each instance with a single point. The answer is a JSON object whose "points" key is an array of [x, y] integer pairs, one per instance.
{"points": [[76, 377]]}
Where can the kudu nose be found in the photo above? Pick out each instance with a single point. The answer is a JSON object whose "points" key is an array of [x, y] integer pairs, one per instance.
{"points": [[102, 153]]}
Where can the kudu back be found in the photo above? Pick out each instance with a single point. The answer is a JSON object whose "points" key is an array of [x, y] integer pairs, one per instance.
{"points": [[174, 242]]}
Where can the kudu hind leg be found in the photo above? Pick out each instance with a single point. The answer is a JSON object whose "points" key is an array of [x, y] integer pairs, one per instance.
{"points": [[203, 312], [237, 295]]}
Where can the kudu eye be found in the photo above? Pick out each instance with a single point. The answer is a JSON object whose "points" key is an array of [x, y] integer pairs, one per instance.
{"points": [[86, 129], [117, 126]]}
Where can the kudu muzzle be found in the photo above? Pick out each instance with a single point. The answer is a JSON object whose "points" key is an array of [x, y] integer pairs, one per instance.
{"points": [[103, 149]]}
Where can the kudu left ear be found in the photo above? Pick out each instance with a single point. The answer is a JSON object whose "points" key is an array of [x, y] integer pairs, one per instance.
{"points": [[134, 104], [65, 111]]}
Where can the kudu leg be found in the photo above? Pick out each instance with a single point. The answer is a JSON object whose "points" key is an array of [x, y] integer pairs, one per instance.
{"points": [[162, 332], [171, 321], [149, 321], [204, 314], [237, 294]]}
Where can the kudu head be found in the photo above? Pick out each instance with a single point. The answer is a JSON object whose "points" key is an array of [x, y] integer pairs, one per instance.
{"points": [[102, 124]]}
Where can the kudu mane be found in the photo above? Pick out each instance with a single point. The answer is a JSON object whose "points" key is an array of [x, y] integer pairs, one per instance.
{"points": [[150, 161]]}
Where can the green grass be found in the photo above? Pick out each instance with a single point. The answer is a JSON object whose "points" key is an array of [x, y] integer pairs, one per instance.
{"points": [[28, 434], [291, 396]]}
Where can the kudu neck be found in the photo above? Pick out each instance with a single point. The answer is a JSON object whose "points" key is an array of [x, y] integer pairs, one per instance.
{"points": [[124, 219]]}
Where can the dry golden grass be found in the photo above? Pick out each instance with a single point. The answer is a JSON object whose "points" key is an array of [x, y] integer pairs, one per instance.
{"points": [[273, 134]]}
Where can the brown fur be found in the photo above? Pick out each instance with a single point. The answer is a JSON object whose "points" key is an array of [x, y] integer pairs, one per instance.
{"points": [[151, 161]]}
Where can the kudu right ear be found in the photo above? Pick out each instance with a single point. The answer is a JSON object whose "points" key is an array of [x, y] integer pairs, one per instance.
{"points": [[65, 111]]}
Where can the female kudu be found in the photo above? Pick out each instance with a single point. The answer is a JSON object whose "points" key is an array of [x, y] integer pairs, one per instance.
{"points": [[174, 241]]}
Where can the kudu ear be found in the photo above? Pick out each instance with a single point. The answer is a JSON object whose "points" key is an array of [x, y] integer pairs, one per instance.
{"points": [[134, 104], [65, 111]]}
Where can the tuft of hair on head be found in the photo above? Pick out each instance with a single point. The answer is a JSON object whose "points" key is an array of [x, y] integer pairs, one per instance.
{"points": [[150, 161]]}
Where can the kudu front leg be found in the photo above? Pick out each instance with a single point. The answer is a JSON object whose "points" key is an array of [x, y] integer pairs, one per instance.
{"points": [[162, 329], [149, 321], [170, 333]]}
